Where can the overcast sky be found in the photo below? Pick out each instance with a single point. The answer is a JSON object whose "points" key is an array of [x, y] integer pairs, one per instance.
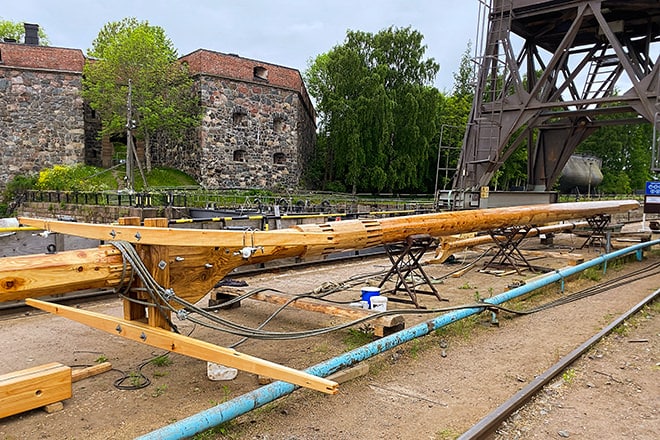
{"points": [[285, 32]]}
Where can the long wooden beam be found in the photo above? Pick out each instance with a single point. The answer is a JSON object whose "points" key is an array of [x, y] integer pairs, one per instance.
{"points": [[177, 236], [177, 343], [450, 245], [49, 274], [208, 255]]}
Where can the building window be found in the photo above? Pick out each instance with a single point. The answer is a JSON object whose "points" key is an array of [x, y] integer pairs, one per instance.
{"points": [[279, 158], [260, 73], [239, 117], [239, 156], [278, 124]]}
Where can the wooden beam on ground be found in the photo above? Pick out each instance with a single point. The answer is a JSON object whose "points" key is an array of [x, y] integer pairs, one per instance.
{"points": [[94, 370], [33, 388], [383, 325], [177, 343]]}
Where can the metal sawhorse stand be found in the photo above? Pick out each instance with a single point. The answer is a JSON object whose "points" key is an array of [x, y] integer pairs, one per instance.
{"points": [[405, 258], [597, 223], [507, 241]]}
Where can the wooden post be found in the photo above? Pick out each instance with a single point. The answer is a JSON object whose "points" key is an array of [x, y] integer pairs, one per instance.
{"points": [[132, 311], [156, 258]]}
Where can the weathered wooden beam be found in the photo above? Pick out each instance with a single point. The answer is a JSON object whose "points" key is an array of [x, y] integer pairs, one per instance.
{"points": [[382, 324], [177, 343]]}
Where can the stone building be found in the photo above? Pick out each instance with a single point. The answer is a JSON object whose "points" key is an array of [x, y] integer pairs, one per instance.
{"points": [[41, 111], [258, 129]]}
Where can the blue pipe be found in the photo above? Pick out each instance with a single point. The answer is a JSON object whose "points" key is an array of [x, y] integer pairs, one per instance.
{"points": [[242, 404]]}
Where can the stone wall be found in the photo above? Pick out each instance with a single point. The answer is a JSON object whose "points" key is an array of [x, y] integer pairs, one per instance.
{"points": [[42, 121], [258, 129]]}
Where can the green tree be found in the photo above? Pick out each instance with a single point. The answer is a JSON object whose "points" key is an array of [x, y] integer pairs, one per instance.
{"points": [[453, 114], [377, 112], [16, 31], [162, 94]]}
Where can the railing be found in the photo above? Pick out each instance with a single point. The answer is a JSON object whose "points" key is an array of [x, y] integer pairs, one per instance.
{"points": [[233, 199]]}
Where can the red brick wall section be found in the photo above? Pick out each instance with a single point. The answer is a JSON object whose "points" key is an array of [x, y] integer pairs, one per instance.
{"points": [[41, 57]]}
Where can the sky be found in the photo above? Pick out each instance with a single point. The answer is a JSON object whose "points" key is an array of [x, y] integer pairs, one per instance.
{"points": [[286, 32]]}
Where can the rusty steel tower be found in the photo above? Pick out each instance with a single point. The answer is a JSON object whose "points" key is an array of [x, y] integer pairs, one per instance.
{"points": [[546, 71]]}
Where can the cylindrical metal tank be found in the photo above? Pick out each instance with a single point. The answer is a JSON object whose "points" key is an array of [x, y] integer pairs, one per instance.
{"points": [[581, 174]]}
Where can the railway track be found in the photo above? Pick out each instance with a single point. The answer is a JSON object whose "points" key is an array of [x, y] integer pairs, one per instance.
{"points": [[491, 422]]}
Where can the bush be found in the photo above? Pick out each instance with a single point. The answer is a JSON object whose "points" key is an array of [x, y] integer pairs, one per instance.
{"points": [[71, 178]]}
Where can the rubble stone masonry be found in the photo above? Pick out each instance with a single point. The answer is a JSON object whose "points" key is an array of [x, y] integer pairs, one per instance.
{"points": [[258, 128], [41, 111]]}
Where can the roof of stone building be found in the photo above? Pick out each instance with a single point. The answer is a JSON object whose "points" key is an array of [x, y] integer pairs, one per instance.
{"points": [[201, 61], [208, 62], [41, 57]]}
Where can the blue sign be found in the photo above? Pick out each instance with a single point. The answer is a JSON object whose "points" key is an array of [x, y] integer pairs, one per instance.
{"points": [[653, 188]]}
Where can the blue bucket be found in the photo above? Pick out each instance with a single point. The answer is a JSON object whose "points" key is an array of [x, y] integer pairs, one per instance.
{"points": [[368, 292]]}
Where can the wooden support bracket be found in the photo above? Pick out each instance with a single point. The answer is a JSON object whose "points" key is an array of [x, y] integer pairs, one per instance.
{"points": [[166, 340]]}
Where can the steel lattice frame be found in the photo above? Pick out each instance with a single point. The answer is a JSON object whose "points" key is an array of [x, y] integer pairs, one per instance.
{"points": [[574, 57]]}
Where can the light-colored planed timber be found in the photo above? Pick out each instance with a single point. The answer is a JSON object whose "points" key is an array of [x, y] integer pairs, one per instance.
{"points": [[48, 274], [86, 372], [176, 237], [197, 259], [33, 388], [449, 245], [177, 343]]}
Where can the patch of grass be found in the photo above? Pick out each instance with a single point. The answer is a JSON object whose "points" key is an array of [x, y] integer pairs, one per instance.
{"points": [[622, 330], [447, 434], [358, 337], [461, 329], [161, 361], [101, 359], [415, 348], [226, 430], [592, 273], [568, 376], [159, 391]]}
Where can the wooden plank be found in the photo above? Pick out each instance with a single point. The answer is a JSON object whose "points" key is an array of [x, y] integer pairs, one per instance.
{"points": [[177, 343], [33, 388], [94, 370]]}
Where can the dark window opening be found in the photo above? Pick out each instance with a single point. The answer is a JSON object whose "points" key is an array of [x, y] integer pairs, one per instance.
{"points": [[260, 73], [278, 124], [239, 117], [239, 156], [279, 158]]}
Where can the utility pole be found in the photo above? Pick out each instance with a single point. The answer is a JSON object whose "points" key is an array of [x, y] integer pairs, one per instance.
{"points": [[129, 141]]}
